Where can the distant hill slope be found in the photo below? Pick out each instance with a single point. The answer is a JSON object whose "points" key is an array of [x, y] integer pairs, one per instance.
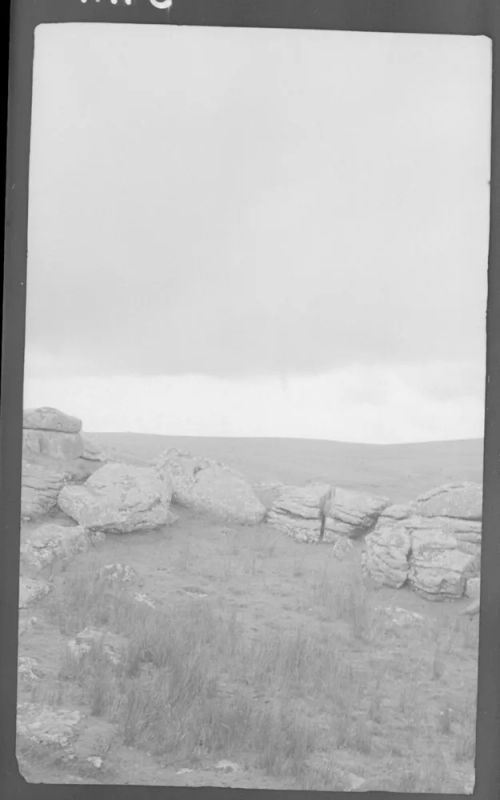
{"points": [[399, 471]]}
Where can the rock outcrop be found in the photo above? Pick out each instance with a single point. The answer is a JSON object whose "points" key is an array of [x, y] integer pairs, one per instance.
{"points": [[473, 588], [456, 500], [51, 433], [386, 554], [352, 514], [54, 453], [119, 498], [444, 530], [50, 419], [31, 589], [46, 725], [40, 487], [50, 542], [299, 511], [438, 569], [211, 488], [118, 573]]}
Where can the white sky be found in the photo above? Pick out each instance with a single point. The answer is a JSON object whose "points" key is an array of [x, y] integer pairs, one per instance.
{"points": [[259, 232]]}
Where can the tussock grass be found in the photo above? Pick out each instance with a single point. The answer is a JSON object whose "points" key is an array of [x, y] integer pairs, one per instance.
{"points": [[192, 685], [197, 683], [345, 599]]}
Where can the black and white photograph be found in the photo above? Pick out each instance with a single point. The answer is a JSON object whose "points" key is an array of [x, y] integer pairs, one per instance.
{"points": [[254, 408]]}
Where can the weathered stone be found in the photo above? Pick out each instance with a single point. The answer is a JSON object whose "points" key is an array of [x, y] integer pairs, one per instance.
{"points": [[438, 569], [121, 573], [395, 513], [402, 617], [140, 597], [26, 622], [28, 669], [90, 450], [112, 645], [461, 534], [211, 488], [473, 608], [119, 498], [299, 511], [351, 513], [48, 726], [51, 444], [459, 500], [467, 533], [50, 419], [31, 590], [95, 740], [227, 766], [50, 541], [385, 558], [473, 588], [343, 548], [40, 488]]}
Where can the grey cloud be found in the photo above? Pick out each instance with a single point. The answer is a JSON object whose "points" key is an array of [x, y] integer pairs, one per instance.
{"points": [[279, 217]]}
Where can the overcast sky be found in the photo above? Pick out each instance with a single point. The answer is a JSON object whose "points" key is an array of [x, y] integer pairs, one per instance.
{"points": [[259, 232]]}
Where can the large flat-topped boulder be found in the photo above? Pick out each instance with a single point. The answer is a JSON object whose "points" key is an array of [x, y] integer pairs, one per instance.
{"points": [[386, 554], [119, 498], [299, 511], [438, 569], [51, 444], [444, 530], [456, 500], [49, 433], [54, 453], [349, 513], [50, 419], [211, 488]]}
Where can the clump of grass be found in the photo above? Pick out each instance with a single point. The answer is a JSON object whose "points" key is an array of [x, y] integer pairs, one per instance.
{"points": [[465, 744], [361, 736], [375, 707], [345, 598], [283, 741], [184, 556]]}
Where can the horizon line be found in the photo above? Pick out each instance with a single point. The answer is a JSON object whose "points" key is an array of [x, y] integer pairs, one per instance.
{"points": [[290, 438]]}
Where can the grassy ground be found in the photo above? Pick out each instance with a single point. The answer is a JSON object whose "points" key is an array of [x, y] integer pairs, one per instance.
{"points": [[261, 651]]}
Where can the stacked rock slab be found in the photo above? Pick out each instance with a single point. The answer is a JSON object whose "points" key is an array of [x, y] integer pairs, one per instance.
{"points": [[438, 569], [211, 488], [51, 433], [54, 453], [119, 498], [349, 513], [386, 554], [299, 511], [443, 528], [41, 485], [446, 540]]}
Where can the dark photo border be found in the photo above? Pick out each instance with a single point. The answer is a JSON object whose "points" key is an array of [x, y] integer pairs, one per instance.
{"points": [[457, 17]]}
